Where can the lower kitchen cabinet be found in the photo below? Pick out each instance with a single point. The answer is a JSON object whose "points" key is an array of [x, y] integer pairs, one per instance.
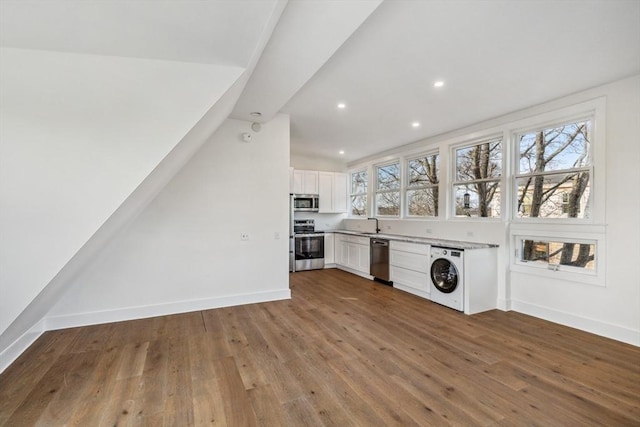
{"points": [[409, 267], [329, 251], [352, 254]]}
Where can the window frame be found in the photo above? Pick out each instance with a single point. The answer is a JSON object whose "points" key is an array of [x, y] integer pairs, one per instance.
{"points": [[364, 170], [453, 174], [375, 191], [516, 175], [405, 186], [572, 234]]}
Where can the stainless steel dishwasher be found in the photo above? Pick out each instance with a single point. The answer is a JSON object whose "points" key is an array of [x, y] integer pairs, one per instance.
{"points": [[379, 260]]}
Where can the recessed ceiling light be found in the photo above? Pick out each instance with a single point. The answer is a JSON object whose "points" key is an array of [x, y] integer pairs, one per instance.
{"points": [[438, 83], [255, 114], [341, 152], [415, 124], [342, 105]]}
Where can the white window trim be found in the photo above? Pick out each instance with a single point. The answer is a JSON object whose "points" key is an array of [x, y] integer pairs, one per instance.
{"points": [[375, 191], [452, 175], [593, 110], [573, 234], [406, 188], [351, 194]]}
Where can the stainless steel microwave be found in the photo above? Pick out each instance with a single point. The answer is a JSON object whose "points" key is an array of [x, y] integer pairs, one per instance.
{"points": [[305, 202]]}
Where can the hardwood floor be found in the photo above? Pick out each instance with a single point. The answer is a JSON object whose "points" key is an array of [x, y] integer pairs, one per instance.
{"points": [[343, 351]]}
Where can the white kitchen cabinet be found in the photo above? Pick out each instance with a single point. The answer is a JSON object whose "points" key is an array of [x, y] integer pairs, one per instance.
{"points": [[409, 267], [329, 252], [352, 254], [332, 191], [305, 182]]}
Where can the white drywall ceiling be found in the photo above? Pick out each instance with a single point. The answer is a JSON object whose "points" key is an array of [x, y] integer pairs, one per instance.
{"points": [[495, 57], [222, 32]]}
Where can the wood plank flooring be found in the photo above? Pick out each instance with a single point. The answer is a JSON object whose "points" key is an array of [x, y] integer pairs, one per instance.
{"points": [[344, 351]]}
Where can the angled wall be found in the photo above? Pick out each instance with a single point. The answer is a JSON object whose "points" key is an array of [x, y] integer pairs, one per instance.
{"points": [[79, 133], [183, 252]]}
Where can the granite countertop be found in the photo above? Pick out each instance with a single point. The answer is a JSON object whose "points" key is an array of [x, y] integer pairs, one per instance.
{"points": [[454, 244]]}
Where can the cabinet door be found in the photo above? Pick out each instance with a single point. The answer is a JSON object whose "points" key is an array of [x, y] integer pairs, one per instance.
{"points": [[340, 189], [325, 191], [328, 249], [310, 182], [298, 182], [344, 253], [353, 255], [364, 258]]}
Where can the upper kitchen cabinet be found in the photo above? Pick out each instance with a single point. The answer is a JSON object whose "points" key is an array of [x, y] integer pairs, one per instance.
{"points": [[305, 182], [332, 188]]}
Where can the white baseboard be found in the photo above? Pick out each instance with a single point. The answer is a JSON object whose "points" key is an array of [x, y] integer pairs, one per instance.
{"points": [[16, 348], [593, 326], [141, 312], [504, 304]]}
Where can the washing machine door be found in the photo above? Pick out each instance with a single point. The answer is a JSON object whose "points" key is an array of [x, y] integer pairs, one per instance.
{"points": [[444, 275]]}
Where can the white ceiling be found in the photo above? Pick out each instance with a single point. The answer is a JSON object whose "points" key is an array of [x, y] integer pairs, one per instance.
{"points": [[381, 59], [222, 32], [494, 56]]}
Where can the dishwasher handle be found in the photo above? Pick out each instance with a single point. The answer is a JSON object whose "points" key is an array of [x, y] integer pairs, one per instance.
{"points": [[376, 242]]}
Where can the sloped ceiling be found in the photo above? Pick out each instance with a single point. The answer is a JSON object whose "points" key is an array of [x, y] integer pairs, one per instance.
{"points": [[222, 32], [495, 57]]}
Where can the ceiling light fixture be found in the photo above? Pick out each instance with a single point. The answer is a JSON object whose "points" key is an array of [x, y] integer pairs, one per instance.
{"points": [[341, 152], [415, 124], [255, 114], [342, 105], [438, 83]]}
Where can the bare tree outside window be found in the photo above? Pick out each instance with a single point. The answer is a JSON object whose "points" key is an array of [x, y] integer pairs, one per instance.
{"points": [[553, 182], [422, 185], [388, 190], [358, 193], [477, 183]]}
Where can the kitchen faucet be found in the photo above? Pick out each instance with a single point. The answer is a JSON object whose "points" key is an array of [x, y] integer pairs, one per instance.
{"points": [[377, 225]]}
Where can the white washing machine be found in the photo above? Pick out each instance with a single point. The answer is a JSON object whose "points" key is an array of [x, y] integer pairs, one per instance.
{"points": [[447, 277]]}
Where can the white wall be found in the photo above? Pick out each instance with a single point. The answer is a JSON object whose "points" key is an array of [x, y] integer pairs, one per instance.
{"points": [[184, 252], [612, 310], [314, 163], [79, 133]]}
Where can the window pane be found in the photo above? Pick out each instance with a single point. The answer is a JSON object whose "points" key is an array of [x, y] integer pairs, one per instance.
{"points": [[388, 177], [388, 203], [571, 254], [558, 148], [483, 199], [359, 182], [359, 205], [564, 195], [479, 161], [422, 202], [423, 171]]}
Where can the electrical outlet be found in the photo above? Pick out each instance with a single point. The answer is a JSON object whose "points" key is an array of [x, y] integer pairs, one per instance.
{"points": [[244, 236], [388, 227], [429, 231], [470, 234], [276, 235]]}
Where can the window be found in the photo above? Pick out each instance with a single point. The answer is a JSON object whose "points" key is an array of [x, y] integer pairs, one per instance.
{"points": [[358, 193], [558, 254], [476, 186], [554, 172], [422, 185], [388, 190]]}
